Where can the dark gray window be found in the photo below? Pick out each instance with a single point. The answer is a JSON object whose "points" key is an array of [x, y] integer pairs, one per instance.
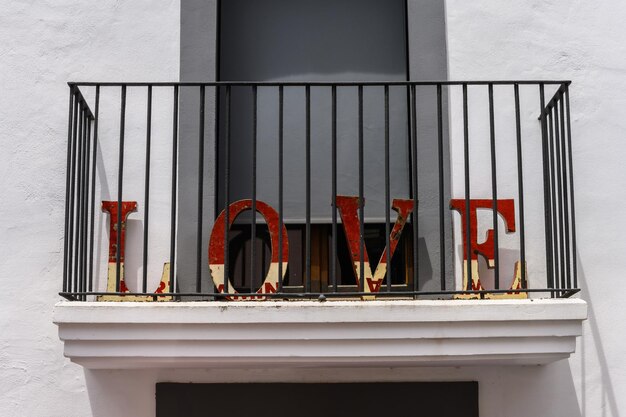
{"points": [[313, 40]]}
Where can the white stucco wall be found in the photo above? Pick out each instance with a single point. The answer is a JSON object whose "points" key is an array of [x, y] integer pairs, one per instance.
{"points": [[45, 44], [581, 41]]}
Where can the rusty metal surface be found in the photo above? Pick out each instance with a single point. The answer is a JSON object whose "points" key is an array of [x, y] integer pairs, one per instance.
{"points": [[128, 207], [486, 249], [216, 248], [348, 207]]}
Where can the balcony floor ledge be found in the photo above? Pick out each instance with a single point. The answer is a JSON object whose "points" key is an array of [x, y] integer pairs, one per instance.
{"points": [[284, 334]]}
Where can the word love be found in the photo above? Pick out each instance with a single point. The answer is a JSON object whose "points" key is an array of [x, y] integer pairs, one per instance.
{"points": [[348, 207]]}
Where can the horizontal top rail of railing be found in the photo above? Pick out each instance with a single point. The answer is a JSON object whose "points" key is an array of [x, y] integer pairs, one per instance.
{"points": [[309, 83]]}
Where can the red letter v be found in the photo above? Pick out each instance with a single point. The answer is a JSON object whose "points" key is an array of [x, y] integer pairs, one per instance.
{"points": [[348, 209]]}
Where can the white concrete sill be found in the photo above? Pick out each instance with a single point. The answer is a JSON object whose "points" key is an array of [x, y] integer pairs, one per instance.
{"points": [[264, 334]]}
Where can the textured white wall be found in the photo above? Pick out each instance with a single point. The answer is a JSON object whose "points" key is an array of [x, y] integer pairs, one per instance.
{"points": [[43, 45], [582, 41]]}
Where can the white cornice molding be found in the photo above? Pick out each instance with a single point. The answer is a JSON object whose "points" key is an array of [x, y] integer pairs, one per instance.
{"points": [[105, 335]]}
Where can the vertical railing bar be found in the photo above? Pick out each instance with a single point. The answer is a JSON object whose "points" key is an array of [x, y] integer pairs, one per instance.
{"points": [[120, 178], [442, 237], [281, 132], [556, 194], [467, 189], [414, 189], [254, 162], [361, 196], [83, 202], [86, 209], [571, 187], [520, 185], [93, 186], [559, 194], [67, 186], [81, 208], [387, 191], [333, 270], [494, 189], [546, 191], [200, 189], [553, 203], [227, 191], [146, 217], [564, 198], [173, 286], [81, 220], [78, 196], [70, 236], [308, 190]]}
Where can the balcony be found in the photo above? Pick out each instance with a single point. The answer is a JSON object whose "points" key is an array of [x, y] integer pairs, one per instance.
{"points": [[446, 209]]}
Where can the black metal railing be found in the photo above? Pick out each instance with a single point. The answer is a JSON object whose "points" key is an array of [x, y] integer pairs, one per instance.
{"points": [[447, 138]]}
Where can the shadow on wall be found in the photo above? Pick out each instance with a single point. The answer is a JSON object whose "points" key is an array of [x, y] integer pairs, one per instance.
{"points": [[606, 390], [507, 259], [541, 391]]}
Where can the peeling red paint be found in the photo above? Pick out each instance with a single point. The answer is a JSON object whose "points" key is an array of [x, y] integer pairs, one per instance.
{"points": [[348, 209], [506, 209], [111, 207], [216, 246], [486, 249]]}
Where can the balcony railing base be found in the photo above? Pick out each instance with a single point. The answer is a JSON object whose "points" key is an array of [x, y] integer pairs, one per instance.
{"points": [[287, 334]]}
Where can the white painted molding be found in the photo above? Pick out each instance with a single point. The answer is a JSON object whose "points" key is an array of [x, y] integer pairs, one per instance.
{"points": [[103, 335]]}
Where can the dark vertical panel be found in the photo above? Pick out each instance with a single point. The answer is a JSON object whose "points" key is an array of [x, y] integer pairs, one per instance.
{"points": [[558, 173], [281, 133], [78, 196], [494, 188], [146, 218], [86, 189], [414, 189], [442, 236], [120, 184], [254, 158], [70, 236], [333, 262], [571, 186], [387, 192], [174, 191], [467, 187], [565, 201], [546, 188], [552, 192], [93, 186], [440, 399], [80, 204], [200, 189], [68, 182], [307, 286], [361, 194], [227, 189], [520, 185]]}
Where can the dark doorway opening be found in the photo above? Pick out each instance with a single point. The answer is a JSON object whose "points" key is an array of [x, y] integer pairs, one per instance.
{"points": [[416, 399]]}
